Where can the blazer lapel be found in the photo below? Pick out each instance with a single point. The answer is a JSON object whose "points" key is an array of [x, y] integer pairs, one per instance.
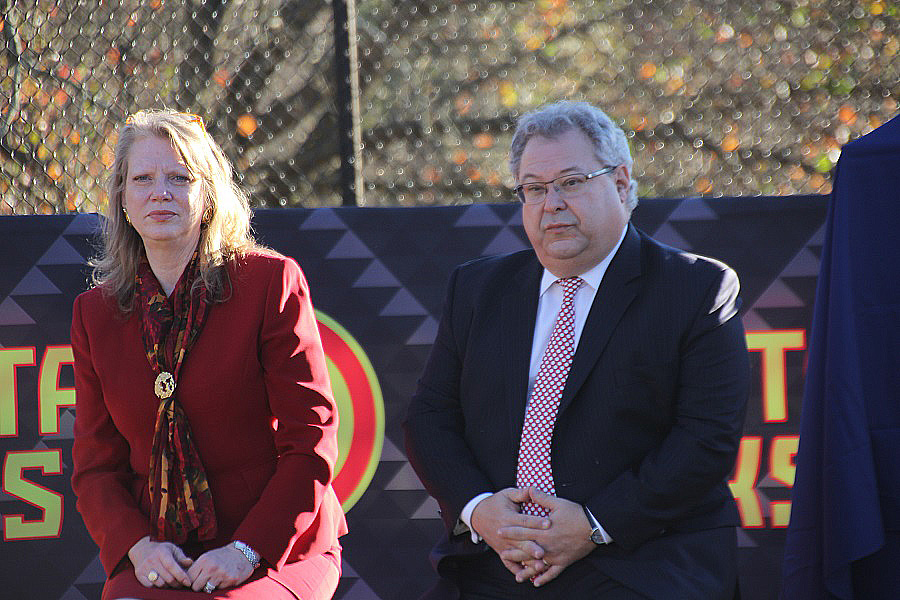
{"points": [[617, 290], [519, 311]]}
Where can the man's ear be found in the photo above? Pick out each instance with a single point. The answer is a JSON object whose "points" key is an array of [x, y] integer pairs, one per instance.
{"points": [[623, 180]]}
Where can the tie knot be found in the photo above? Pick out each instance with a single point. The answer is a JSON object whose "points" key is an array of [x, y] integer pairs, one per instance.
{"points": [[570, 285]]}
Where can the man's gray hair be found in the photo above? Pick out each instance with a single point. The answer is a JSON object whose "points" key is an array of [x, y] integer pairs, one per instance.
{"points": [[610, 144]]}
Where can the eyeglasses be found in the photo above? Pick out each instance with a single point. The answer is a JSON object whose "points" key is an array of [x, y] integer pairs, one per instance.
{"points": [[567, 186], [191, 117]]}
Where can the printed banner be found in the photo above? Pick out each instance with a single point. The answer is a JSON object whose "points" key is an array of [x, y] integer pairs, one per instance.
{"points": [[378, 278]]}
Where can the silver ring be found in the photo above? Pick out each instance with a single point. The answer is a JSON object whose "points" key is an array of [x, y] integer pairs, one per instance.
{"points": [[152, 576], [209, 588]]}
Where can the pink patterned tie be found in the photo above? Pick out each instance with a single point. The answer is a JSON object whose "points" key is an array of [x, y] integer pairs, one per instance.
{"points": [[537, 432]]}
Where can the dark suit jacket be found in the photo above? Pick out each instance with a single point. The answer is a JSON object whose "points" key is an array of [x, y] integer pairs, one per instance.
{"points": [[258, 357], [650, 418]]}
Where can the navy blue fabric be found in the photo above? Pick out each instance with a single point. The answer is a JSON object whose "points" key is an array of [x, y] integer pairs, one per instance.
{"points": [[847, 489]]}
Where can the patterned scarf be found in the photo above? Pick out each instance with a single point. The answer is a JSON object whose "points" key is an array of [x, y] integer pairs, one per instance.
{"points": [[180, 498]]}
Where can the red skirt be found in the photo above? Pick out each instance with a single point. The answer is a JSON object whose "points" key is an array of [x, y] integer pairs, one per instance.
{"points": [[315, 578]]}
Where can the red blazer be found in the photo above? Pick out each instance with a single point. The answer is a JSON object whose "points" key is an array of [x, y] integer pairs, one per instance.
{"points": [[258, 358]]}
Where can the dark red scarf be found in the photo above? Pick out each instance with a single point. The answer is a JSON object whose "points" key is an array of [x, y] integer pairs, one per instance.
{"points": [[180, 498]]}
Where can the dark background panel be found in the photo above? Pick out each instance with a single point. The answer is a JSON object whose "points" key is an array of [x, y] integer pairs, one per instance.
{"points": [[382, 273]]}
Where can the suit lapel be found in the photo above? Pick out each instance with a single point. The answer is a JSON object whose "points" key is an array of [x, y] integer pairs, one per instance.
{"points": [[617, 290], [519, 311]]}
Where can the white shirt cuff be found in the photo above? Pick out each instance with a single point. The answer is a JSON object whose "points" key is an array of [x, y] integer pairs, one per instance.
{"points": [[466, 515], [595, 524]]}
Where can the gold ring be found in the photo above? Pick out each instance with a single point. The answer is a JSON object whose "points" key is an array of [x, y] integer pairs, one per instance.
{"points": [[152, 576]]}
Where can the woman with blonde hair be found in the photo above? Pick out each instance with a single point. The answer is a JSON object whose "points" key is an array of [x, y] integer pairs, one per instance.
{"points": [[206, 429]]}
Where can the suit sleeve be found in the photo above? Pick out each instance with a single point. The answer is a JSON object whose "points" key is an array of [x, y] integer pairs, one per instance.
{"points": [[102, 477], [300, 398], [435, 424], [699, 450]]}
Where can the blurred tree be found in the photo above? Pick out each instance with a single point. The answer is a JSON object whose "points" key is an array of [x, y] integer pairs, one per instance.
{"points": [[261, 75], [717, 98]]}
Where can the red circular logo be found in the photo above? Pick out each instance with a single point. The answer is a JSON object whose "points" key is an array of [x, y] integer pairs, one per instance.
{"points": [[360, 409]]}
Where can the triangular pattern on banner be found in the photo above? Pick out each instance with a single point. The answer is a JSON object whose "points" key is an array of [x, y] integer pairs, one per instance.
{"points": [[425, 334], [390, 452], [377, 275], [350, 246], [767, 481], [515, 219], [73, 594], [693, 209], [764, 501], [428, 510], [61, 253], [360, 591], [403, 304], [83, 224], [347, 569], [667, 235], [405, 479], [34, 283], [505, 241], [805, 264], [12, 314], [478, 215], [778, 295], [323, 218], [92, 573], [744, 540], [753, 322], [818, 238], [66, 425]]}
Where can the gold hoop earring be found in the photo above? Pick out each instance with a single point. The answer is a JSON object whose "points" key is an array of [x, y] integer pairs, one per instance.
{"points": [[127, 218]]}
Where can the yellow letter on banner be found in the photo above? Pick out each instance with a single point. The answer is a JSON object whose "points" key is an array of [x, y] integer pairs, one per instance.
{"points": [[783, 469], [10, 358], [743, 484], [15, 527], [773, 345], [50, 395]]}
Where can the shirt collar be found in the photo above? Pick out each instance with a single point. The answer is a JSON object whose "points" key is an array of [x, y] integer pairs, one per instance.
{"points": [[592, 276]]}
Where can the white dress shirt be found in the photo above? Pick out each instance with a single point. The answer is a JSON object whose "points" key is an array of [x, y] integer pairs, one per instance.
{"points": [[549, 303]]}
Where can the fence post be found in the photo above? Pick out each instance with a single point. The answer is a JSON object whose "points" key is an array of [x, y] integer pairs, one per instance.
{"points": [[347, 87]]}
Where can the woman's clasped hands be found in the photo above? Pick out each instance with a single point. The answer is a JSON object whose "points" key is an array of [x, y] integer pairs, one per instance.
{"points": [[163, 564]]}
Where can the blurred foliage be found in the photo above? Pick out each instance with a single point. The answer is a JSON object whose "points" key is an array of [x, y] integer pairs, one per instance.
{"points": [[718, 98]]}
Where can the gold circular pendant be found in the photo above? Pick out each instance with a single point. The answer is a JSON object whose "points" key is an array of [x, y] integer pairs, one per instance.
{"points": [[164, 386]]}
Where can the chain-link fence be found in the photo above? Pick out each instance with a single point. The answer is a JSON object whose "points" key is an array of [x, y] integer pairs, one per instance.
{"points": [[718, 98]]}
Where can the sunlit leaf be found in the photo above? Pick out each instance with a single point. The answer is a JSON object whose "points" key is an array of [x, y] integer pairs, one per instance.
{"points": [[247, 125], [730, 143], [54, 170], [483, 140], [847, 114], [647, 70]]}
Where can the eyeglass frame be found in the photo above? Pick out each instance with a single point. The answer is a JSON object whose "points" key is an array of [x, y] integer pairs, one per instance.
{"points": [[520, 193]]}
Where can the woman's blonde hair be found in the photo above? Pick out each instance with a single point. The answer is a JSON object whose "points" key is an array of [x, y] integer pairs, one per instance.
{"points": [[225, 233]]}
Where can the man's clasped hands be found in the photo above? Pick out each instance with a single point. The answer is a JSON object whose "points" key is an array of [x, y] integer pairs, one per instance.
{"points": [[533, 548]]}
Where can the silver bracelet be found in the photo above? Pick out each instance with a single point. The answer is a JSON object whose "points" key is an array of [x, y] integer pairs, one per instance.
{"points": [[251, 554]]}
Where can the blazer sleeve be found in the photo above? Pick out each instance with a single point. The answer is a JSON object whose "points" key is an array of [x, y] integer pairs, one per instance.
{"points": [[102, 477], [696, 455], [300, 398], [434, 425]]}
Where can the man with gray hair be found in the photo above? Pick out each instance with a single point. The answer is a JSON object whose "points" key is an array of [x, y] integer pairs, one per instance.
{"points": [[584, 400]]}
